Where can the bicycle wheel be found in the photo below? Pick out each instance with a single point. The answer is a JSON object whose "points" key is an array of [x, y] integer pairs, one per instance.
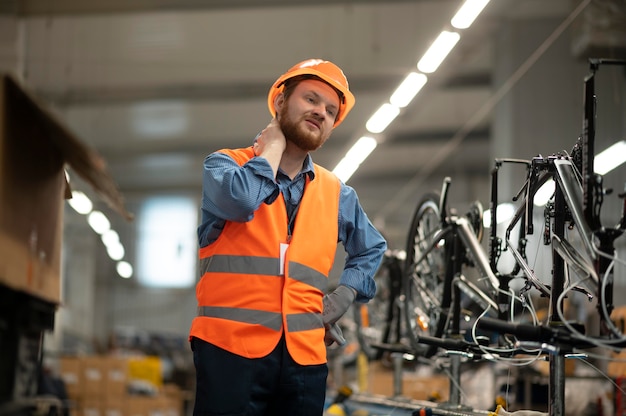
{"points": [[427, 296]]}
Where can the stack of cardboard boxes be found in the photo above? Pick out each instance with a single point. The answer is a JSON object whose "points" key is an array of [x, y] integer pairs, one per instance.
{"points": [[102, 386], [380, 381], [35, 151]]}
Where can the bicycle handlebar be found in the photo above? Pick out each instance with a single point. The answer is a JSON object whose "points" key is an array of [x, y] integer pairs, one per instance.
{"points": [[524, 331], [541, 333], [472, 349], [447, 343]]}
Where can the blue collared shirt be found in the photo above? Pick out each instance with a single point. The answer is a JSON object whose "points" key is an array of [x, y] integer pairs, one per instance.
{"points": [[233, 193]]}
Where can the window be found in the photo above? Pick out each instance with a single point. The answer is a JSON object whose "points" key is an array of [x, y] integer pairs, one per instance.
{"points": [[167, 245]]}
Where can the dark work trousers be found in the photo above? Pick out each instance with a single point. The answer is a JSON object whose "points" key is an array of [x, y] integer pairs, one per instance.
{"points": [[275, 385]]}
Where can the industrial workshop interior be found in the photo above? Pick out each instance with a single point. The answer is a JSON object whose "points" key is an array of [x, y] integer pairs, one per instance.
{"points": [[486, 145]]}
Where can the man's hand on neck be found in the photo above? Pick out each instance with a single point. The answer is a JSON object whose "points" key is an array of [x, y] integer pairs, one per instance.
{"points": [[271, 145]]}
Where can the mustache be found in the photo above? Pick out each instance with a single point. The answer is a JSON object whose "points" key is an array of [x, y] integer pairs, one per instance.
{"points": [[314, 116]]}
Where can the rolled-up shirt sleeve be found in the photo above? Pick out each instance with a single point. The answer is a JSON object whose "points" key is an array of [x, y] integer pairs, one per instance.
{"points": [[363, 243]]}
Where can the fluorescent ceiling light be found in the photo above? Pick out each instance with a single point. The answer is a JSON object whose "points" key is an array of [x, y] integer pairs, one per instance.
{"points": [[381, 118], [116, 251], [468, 12], [102, 226], [355, 156], [110, 237], [124, 269], [609, 159], [80, 202], [361, 149], [438, 51], [99, 222], [345, 169], [409, 88]]}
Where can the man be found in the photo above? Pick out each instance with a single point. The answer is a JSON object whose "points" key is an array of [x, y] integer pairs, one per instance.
{"points": [[271, 221]]}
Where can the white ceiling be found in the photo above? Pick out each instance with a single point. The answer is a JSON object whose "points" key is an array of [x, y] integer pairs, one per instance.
{"points": [[156, 85]]}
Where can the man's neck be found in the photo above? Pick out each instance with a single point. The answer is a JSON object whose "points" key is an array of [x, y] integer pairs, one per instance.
{"points": [[292, 160]]}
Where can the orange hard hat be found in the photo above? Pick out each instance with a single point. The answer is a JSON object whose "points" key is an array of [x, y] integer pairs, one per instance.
{"points": [[328, 72]]}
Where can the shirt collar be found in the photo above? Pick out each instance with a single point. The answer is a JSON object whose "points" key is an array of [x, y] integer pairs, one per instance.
{"points": [[308, 168]]}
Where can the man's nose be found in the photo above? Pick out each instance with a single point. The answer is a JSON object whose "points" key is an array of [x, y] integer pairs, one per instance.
{"points": [[320, 110]]}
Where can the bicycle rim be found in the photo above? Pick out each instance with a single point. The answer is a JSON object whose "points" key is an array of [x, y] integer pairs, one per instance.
{"points": [[424, 277]]}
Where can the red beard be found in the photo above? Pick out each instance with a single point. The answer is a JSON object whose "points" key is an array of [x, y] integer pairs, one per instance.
{"points": [[297, 134]]}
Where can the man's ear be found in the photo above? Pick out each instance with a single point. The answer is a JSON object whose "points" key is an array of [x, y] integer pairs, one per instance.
{"points": [[279, 100]]}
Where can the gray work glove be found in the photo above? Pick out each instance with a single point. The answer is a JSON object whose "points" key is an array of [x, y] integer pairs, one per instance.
{"points": [[336, 304], [334, 334]]}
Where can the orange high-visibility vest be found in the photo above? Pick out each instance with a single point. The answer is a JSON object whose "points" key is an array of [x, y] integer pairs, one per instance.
{"points": [[244, 303]]}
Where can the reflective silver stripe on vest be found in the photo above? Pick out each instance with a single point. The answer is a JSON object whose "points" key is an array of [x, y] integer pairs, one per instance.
{"points": [[271, 320], [307, 275], [264, 266], [240, 264], [304, 322]]}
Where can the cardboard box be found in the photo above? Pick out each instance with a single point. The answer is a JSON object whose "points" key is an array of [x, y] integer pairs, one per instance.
{"points": [[139, 406], [162, 406], [381, 382], [35, 150], [116, 376], [152, 406], [90, 406], [93, 377], [175, 399], [114, 406], [172, 406], [71, 371]]}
